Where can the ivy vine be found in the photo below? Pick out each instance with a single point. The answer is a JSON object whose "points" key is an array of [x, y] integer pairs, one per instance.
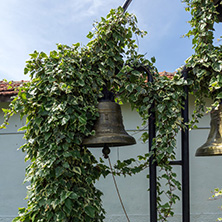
{"points": [[206, 63], [60, 107]]}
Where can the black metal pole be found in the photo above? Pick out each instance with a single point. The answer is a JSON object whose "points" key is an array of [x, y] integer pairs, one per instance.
{"points": [[126, 4], [185, 157], [152, 162]]}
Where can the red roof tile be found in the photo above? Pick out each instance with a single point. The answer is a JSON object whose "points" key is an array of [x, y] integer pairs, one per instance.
{"points": [[10, 88], [167, 74]]}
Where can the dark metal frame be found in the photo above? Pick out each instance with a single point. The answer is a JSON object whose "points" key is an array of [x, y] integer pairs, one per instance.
{"points": [[126, 4], [184, 162], [152, 162]]}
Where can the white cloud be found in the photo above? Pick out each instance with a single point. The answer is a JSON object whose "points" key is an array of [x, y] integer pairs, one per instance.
{"points": [[39, 24]]}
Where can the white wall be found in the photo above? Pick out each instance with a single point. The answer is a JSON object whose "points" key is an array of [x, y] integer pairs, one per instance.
{"points": [[12, 169], [205, 175]]}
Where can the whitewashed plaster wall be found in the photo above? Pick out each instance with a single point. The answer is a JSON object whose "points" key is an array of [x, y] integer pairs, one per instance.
{"points": [[205, 175], [12, 169]]}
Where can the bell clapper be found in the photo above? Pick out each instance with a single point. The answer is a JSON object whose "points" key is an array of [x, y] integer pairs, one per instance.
{"points": [[106, 151]]}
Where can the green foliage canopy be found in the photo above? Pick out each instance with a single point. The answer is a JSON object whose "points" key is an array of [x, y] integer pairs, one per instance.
{"points": [[60, 106]]}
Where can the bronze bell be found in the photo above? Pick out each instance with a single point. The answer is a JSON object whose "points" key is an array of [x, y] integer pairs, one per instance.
{"points": [[213, 145], [109, 129]]}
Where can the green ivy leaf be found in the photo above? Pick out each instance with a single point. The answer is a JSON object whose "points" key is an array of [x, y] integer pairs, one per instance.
{"points": [[65, 119], [217, 66], [90, 211], [77, 170], [23, 128], [90, 35], [219, 95]]}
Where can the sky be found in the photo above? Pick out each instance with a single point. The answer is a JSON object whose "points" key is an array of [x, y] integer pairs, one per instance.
{"points": [[40, 24]]}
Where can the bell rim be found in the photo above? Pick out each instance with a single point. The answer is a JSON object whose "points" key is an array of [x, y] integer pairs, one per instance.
{"points": [[209, 151], [111, 140]]}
